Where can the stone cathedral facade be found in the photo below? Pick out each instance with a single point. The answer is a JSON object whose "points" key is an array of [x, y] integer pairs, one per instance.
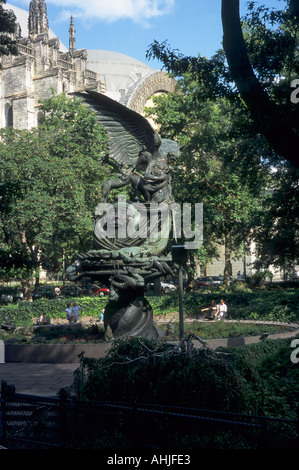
{"points": [[40, 67], [45, 64]]}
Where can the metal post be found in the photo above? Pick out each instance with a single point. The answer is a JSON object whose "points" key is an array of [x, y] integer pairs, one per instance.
{"points": [[63, 416], [179, 256], [63, 268], [2, 352], [6, 392], [181, 307], [2, 411]]}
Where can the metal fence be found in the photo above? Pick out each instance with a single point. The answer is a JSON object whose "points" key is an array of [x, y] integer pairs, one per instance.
{"points": [[30, 422]]}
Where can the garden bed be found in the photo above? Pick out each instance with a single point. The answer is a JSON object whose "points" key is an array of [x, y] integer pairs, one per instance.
{"points": [[89, 330], [64, 343], [281, 306]]}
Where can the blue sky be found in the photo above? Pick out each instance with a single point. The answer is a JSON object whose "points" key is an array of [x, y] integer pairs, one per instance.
{"points": [[130, 26]]}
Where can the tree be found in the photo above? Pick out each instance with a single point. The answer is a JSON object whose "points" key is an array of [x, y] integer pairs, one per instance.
{"points": [[278, 235], [50, 183], [277, 119], [8, 44], [216, 140], [263, 63], [275, 35]]}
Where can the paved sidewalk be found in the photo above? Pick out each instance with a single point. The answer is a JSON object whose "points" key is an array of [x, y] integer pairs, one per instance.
{"points": [[46, 379], [38, 379]]}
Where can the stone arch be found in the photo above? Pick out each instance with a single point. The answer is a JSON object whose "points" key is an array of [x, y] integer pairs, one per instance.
{"points": [[8, 115], [151, 84]]}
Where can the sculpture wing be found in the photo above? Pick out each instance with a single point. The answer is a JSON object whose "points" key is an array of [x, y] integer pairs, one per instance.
{"points": [[128, 131]]}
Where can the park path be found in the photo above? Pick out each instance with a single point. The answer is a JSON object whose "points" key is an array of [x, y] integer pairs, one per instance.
{"points": [[46, 380]]}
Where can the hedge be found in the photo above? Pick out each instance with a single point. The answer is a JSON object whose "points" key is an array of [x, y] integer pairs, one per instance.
{"points": [[280, 306], [22, 313], [255, 379], [270, 306]]}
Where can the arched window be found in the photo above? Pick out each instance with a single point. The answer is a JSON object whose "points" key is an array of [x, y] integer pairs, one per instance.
{"points": [[40, 116], [8, 116]]}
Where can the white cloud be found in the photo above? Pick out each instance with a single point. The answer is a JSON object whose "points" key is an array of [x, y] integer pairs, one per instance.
{"points": [[139, 11]]}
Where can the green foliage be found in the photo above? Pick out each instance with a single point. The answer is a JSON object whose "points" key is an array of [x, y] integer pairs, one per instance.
{"points": [[23, 313], [255, 379], [139, 372], [221, 329], [270, 360], [278, 243], [259, 277], [7, 28], [235, 288], [235, 135], [66, 335], [281, 306], [56, 334], [50, 182], [271, 36], [215, 167], [282, 377]]}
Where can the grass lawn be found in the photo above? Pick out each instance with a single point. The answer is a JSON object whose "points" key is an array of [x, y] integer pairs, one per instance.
{"points": [[65, 334], [223, 329]]}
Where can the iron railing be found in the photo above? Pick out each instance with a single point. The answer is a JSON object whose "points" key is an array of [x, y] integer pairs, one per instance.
{"points": [[30, 422]]}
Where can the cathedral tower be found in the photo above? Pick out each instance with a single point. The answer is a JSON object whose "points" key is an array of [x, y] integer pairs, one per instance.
{"points": [[38, 18], [72, 38]]}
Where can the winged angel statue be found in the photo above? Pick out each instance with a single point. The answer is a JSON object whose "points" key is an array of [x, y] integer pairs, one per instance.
{"points": [[129, 259]]}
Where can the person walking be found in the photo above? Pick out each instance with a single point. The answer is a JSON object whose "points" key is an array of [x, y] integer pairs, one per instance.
{"points": [[101, 316], [76, 311], [69, 314]]}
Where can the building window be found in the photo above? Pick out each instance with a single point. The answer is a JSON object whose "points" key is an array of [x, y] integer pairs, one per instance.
{"points": [[40, 117], [8, 116]]}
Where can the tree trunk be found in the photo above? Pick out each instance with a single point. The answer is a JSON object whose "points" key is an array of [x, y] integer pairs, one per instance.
{"points": [[227, 259], [26, 283], [157, 287], [191, 271], [26, 288], [275, 122]]}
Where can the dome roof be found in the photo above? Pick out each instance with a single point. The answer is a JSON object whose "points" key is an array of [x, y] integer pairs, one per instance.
{"points": [[22, 19], [118, 71], [112, 61]]}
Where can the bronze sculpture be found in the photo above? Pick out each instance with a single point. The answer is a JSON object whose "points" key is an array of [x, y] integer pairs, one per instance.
{"points": [[129, 259]]}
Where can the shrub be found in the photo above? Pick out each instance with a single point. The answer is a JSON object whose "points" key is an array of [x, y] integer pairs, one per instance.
{"points": [[271, 306], [147, 372], [211, 330], [256, 379], [22, 314], [268, 305], [270, 361]]}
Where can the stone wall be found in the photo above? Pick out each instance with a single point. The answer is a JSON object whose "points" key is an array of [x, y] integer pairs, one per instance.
{"points": [[32, 75]]}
